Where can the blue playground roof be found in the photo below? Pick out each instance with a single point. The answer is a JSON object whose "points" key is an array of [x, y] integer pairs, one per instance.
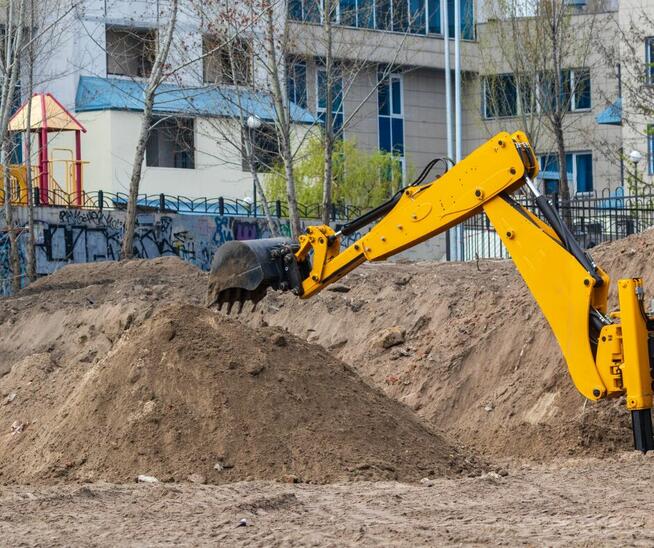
{"points": [[611, 115], [94, 93]]}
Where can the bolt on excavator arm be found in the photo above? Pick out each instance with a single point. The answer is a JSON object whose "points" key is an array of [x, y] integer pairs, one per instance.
{"points": [[608, 355]]}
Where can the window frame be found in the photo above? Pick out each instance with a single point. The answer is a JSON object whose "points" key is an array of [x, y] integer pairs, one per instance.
{"points": [[649, 61], [222, 80], [650, 149], [301, 4], [134, 30], [398, 76], [485, 97], [321, 110], [572, 179], [156, 119]]}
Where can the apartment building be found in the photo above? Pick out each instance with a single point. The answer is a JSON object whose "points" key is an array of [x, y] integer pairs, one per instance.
{"points": [[390, 94], [196, 145]]}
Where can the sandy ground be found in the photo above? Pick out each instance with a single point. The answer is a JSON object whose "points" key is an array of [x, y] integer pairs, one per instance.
{"points": [[580, 503]]}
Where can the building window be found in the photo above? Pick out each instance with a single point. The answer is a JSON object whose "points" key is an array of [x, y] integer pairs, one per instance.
{"points": [[649, 60], [130, 51], [264, 146], [227, 61], [390, 113], [578, 166], [575, 87], [500, 96], [297, 82], [509, 94], [412, 16], [171, 143], [650, 149], [322, 81]]}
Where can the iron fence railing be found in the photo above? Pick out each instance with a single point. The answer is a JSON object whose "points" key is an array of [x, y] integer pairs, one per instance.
{"points": [[166, 203], [593, 220]]}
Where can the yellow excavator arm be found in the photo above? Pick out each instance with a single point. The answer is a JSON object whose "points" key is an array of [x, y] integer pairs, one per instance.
{"points": [[608, 354]]}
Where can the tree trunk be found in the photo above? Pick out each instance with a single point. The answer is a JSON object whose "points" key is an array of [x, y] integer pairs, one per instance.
{"points": [[564, 187], [127, 250], [11, 227], [156, 76], [283, 125], [13, 39], [249, 150], [31, 242], [329, 122]]}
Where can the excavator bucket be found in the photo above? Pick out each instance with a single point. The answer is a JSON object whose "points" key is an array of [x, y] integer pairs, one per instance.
{"points": [[244, 270]]}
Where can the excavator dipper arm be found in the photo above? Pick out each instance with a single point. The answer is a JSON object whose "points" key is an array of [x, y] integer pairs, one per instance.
{"points": [[608, 355]]}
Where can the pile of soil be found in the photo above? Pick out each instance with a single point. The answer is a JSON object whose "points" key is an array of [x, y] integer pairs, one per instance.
{"points": [[115, 370], [465, 345]]}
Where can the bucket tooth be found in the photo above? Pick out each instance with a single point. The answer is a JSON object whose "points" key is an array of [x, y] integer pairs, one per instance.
{"points": [[244, 270]]}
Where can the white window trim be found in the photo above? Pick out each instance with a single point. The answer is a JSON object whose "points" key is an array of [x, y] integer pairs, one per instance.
{"points": [[572, 180], [649, 79], [320, 109], [399, 76]]}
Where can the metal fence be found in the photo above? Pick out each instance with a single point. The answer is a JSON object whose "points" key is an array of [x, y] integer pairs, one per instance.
{"points": [[594, 219], [100, 200]]}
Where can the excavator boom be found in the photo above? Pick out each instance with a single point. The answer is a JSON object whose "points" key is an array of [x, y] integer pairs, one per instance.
{"points": [[608, 354]]}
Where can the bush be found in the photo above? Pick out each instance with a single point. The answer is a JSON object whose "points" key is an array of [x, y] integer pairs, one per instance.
{"points": [[363, 179]]}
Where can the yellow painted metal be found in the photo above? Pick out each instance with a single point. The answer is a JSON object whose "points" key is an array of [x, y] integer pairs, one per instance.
{"points": [[565, 291], [609, 359], [18, 184], [426, 210], [636, 376], [560, 285]]}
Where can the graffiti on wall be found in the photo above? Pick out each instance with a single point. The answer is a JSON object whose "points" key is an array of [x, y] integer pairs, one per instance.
{"points": [[65, 236]]}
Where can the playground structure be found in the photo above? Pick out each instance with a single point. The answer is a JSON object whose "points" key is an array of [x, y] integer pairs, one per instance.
{"points": [[57, 175]]}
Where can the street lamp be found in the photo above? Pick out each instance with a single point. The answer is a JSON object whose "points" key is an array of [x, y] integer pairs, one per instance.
{"points": [[636, 157], [253, 123]]}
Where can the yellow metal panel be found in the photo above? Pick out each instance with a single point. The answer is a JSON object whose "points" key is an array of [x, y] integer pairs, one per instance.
{"points": [[636, 375], [561, 286]]}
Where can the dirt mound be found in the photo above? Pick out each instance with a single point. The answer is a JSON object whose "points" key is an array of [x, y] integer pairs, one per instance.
{"points": [[466, 347], [105, 380]]}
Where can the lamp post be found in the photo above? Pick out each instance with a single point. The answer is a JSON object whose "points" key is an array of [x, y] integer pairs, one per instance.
{"points": [[635, 157], [253, 123]]}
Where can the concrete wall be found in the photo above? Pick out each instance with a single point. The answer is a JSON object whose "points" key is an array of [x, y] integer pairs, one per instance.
{"points": [[110, 141], [65, 236]]}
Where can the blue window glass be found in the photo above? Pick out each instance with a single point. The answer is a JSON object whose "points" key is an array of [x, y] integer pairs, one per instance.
{"points": [[337, 100], [295, 9], [322, 89], [385, 134], [500, 96], [348, 12], [551, 186], [649, 59], [384, 98], [584, 165], [397, 136], [312, 10], [383, 15], [582, 88], [467, 19], [650, 149], [400, 16], [417, 16], [297, 82], [434, 16], [396, 89], [391, 123], [366, 13]]}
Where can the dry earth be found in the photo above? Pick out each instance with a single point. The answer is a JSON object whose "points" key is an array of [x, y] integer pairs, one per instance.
{"points": [[570, 503], [449, 371]]}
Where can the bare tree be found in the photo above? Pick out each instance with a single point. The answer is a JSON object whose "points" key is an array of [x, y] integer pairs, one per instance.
{"points": [[543, 51], [29, 85], [156, 77], [9, 71]]}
